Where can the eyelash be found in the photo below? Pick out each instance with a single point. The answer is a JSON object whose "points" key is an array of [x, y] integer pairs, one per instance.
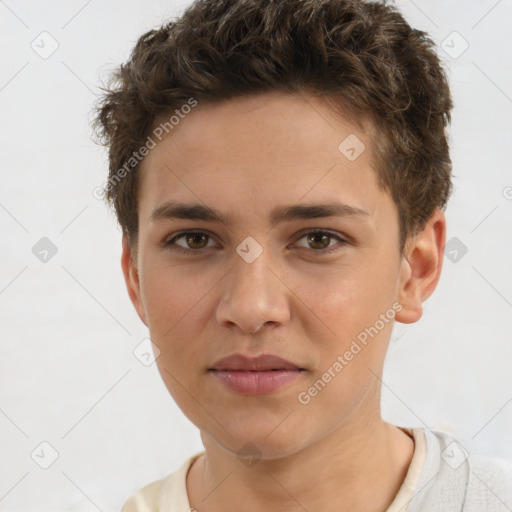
{"points": [[171, 242]]}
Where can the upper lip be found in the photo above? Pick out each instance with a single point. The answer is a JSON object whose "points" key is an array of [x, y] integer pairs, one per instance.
{"points": [[260, 363]]}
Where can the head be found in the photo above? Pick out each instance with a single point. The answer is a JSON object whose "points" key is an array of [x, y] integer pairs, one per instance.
{"points": [[267, 116]]}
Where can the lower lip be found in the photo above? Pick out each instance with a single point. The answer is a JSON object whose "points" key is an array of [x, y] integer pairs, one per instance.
{"points": [[256, 383]]}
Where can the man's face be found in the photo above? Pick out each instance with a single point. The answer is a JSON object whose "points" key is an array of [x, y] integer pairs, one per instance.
{"points": [[304, 298]]}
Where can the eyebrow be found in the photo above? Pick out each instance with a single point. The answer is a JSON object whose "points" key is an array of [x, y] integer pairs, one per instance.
{"points": [[177, 210]]}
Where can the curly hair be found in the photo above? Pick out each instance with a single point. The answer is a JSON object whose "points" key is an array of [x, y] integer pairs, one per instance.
{"points": [[363, 56]]}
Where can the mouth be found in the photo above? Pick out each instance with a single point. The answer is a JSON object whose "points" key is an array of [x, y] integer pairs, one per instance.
{"points": [[263, 363], [255, 376]]}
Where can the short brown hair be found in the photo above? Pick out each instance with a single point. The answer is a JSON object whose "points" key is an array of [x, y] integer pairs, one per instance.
{"points": [[362, 55]]}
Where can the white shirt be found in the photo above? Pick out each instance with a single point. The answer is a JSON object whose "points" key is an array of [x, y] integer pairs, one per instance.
{"points": [[442, 477]]}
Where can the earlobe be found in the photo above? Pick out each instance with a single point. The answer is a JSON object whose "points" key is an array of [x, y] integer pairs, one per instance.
{"points": [[421, 268], [131, 277]]}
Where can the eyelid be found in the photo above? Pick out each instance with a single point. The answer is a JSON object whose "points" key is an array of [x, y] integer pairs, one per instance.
{"points": [[342, 240], [170, 239]]}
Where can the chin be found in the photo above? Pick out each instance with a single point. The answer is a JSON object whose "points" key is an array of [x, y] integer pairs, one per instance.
{"points": [[250, 450], [260, 439]]}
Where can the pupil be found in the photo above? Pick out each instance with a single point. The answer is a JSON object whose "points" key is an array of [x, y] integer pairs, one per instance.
{"points": [[193, 238], [313, 237]]}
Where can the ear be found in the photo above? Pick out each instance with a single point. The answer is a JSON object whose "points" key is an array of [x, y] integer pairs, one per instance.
{"points": [[421, 268], [131, 277]]}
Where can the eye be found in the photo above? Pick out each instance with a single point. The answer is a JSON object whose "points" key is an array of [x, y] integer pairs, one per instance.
{"points": [[193, 241], [319, 241]]}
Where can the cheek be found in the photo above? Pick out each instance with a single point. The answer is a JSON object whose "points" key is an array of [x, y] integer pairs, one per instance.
{"points": [[347, 296], [346, 307], [169, 293], [175, 300]]}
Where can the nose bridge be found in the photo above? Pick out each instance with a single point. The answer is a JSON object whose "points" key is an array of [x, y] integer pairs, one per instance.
{"points": [[253, 295], [252, 275]]}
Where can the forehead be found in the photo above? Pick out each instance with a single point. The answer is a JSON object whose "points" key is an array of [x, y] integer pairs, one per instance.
{"points": [[268, 119], [258, 151]]}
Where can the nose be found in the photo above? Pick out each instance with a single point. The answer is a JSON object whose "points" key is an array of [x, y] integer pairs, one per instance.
{"points": [[253, 295]]}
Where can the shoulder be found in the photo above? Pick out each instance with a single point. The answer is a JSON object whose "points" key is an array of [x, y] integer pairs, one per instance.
{"points": [[489, 482], [456, 468], [459, 451], [169, 493], [145, 499]]}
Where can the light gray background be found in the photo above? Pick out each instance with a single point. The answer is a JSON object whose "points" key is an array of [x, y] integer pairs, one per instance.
{"points": [[68, 375]]}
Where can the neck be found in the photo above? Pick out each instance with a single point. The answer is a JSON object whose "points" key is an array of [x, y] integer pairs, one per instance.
{"points": [[353, 469]]}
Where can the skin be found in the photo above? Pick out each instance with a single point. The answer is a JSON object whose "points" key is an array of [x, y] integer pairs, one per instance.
{"points": [[244, 157]]}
